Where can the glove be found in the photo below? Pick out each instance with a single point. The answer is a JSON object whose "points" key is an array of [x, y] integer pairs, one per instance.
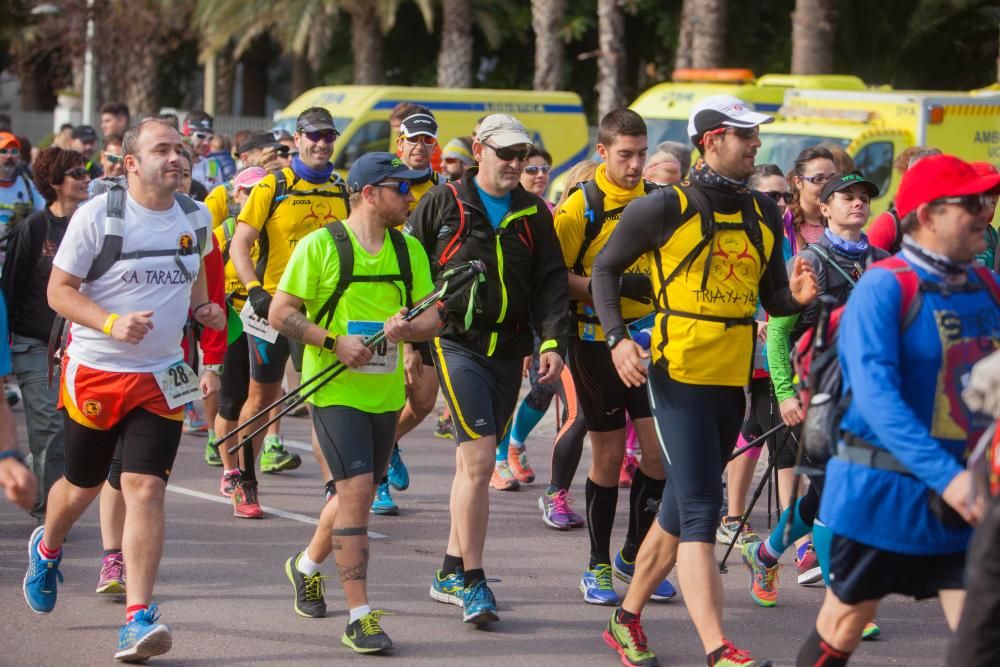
{"points": [[637, 287], [259, 300], [983, 393]]}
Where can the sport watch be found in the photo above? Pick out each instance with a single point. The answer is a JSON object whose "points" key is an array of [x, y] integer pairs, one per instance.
{"points": [[612, 340], [330, 342], [215, 368]]}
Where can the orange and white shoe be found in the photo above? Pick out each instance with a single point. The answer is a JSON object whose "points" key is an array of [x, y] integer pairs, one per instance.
{"points": [[503, 478], [245, 502], [517, 459]]}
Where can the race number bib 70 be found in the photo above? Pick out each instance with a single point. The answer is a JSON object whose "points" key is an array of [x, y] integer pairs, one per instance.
{"points": [[179, 384], [385, 356]]}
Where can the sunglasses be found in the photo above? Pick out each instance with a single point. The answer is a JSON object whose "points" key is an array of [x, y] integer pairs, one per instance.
{"points": [[202, 136], [425, 139], [114, 159], [741, 132], [536, 168], [819, 179], [13, 152], [973, 204], [777, 196], [402, 187], [78, 174], [326, 136], [509, 154]]}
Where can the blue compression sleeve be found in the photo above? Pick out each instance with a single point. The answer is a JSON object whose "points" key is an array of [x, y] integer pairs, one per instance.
{"points": [[503, 446], [776, 544], [525, 420], [822, 536]]}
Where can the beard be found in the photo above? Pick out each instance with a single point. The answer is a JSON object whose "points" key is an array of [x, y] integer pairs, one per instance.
{"points": [[7, 170]]}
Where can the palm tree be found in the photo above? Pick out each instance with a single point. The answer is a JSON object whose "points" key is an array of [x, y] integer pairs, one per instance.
{"points": [[708, 45], [546, 20], [455, 55], [611, 61], [813, 24]]}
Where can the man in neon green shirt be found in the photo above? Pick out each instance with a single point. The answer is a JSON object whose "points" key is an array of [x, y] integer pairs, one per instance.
{"points": [[355, 413]]}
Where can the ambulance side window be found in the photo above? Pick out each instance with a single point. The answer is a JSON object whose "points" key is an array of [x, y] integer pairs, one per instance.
{"points": [[875, 162], [372, 136]]}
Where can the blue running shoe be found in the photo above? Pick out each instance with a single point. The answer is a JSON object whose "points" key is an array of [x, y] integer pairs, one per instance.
{"points": [[625, 570], [383, 502], [596, 586], [399, 476], [143, 637], [479, 605], [448, 589], [40, 580]]}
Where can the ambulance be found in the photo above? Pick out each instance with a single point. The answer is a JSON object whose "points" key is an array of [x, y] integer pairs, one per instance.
{"points": [[874, 127], [555, 120]]}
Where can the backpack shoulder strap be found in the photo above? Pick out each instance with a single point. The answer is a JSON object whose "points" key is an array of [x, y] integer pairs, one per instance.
{"points": [[345, 271], [989, 282], [403, 260], [753, 219], [114, 232], [593, 219], [191, 210], [826, 257], [280, 187], [456, 241], [650, 186], [909, 284]]}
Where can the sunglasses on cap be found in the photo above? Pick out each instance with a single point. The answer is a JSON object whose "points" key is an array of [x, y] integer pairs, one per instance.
{"points": [[424, 139], [13, 152], [777, 196], [78, 174], [973, 204], [402, 187], [509, 154], [326, 136], [537, 168]]}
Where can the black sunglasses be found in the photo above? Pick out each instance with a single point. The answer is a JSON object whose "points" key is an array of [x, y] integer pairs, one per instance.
{"points": [[973, 204], [509, 154], [78, 174], [777, 196]]}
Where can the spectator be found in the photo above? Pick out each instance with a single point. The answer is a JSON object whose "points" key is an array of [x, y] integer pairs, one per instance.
{"points": [[85, 141], [62, 178], [457, 157], [114, 118], [535, 177], [15, 479]]}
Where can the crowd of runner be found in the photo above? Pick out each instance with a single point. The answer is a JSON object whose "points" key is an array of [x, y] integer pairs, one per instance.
{"points": [[683, 315]]}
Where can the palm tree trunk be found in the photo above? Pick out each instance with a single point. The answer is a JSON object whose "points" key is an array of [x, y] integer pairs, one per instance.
{"points": [[611, 62], [813, 23], [226, 78], [141, 94], [708, 44], [685, 37], [301, 75], [455, 57], [366, 43], [546, 20]]}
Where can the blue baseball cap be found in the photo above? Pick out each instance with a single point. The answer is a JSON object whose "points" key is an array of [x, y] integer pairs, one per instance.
{"points": [[372, 168]]}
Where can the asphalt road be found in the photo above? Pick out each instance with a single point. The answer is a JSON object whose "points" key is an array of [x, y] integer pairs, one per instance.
{"points": [[223, 591]]}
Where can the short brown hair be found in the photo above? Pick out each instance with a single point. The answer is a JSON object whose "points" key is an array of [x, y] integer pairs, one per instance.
{"points": [[620, 122], [50, 168]]}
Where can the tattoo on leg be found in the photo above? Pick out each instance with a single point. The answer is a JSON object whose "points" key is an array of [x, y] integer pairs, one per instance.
{"points": [[357, 572], [295, 326], [352, 531]]}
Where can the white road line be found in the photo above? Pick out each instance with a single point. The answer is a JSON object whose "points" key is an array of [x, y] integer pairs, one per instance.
{"points": [[294, 516]]}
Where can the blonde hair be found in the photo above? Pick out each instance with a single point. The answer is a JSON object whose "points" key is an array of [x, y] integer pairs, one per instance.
{"points": [[578, 173]]}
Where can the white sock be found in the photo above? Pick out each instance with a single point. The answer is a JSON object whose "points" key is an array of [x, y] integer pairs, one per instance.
{"points": [[515, 444], [306, 566], [359, 612]]}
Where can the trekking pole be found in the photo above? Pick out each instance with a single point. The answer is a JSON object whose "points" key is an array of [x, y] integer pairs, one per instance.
{"points": [[756, 442], [455, 278]]}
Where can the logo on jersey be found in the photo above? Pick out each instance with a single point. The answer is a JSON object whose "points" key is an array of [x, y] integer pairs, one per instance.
{"points": [[91, 408], [320, 213], [185, 241], [737, 259]]}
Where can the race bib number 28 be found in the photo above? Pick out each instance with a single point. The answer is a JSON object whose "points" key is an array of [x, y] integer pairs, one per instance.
{"points": [[179, 385], [385, 356]]}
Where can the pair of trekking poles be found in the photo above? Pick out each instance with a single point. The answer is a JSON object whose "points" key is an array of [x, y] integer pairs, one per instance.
{"points": [[455, 279]]}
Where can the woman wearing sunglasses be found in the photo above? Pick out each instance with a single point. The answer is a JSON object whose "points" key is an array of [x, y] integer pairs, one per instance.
{"points": [[62, 178], [535, 177], [814, 168]]}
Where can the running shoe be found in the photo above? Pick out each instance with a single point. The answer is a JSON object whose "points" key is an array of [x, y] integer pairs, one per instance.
{"points": [[193, 421], [399, 476], [724, 533], [629, 640], [871, 632], [275, 458], [445, 428], [517, 459], [112, 579], [212, 456], [503, 478], [629, 465], [763, 579], [479, 605], [40, 585], [449, 589], [143, 637], [228, 483], [246, 504], [734, 657], [366, 635], [624, 571], [808, 567], [330, 490], [556, 512], [309, 590], [383, 502], [597, 587]]}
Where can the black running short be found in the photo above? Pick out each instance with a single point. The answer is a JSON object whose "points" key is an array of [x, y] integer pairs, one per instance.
{"points": [[481, 391], [355, 442], [859, 572], [267, 360], [763, 416], [235, 379], [604, 398]]}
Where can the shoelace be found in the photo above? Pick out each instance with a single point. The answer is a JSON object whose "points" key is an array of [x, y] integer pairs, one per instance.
{"points": [[734, 654], [147, 616], [115, 567], [602, 574], [560, 502], [636, 634], [505, 471], [315, 586], [45, 575], [370, 622]]}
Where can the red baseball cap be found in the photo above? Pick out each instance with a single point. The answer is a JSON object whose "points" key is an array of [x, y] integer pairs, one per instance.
{"points": [[940, 176], [8, 139]]}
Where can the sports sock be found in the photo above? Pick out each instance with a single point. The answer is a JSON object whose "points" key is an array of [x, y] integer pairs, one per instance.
{"points": [[46, 553], [503, 447], [601, 504], [473, 577], [817, 653], [525, 420], [776, 542], [451, 564], [552, 490], [108, 552], [234, 471], [305, 565], [359, 612], [132, 610], [644, 503]]}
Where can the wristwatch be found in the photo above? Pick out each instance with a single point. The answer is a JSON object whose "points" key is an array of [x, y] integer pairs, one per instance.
{"points": [[330, 342], [612, 340], [215, 368]]}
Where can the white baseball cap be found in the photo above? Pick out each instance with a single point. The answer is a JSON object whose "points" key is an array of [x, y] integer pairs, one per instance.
{"points": [[722, 110]]}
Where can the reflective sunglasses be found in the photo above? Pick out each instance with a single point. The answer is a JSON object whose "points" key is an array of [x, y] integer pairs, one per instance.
{"points": [[78, 174], [509, 154], [741, 132], [202, 136], [13, 152], [973, 204], [114, 159], [777, 196], [819, 179], [326, 136], [402, 187], [425, 139], [536, 168]]}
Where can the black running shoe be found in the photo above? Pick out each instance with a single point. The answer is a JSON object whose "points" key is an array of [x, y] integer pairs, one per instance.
{"points": [[309, 600]]}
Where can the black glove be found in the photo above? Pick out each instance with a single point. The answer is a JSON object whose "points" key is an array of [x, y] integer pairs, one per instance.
{"points": [[637, 287], [259, 300]]}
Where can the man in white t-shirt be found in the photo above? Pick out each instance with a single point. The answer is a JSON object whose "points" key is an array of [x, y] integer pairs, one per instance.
{"points": [[124, 382]]}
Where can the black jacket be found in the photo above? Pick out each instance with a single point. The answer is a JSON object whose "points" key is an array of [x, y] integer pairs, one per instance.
{"points": [[530, 291], [31, 247]]}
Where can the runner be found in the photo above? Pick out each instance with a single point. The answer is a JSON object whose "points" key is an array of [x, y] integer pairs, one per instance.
{"points": [[486, 336], [355, 414], [282, 209], [715, 247], [124, 383], [605, 399], [907, 431]]}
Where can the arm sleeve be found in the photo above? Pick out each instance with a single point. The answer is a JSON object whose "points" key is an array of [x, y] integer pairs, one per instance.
{"points": [[778, 330], [213, 342], [550, 304], [869, 350], [775, 295], [644, 226]]}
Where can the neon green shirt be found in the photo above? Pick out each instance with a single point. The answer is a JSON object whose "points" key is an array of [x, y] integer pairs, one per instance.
{"points": [[312, 274]]}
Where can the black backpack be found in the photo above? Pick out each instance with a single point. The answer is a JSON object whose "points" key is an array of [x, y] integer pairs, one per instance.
{"points": [[595, 215]]}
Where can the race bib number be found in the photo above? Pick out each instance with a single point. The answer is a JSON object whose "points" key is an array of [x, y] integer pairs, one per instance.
{"points": [[385, 356], [179, 385], [589, 332], [256, 326]]}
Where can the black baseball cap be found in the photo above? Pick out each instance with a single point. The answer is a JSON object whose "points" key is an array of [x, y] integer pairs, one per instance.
{"points": [[314, 119], [260, 140], [846, 181], [84, 133], [417, 124], [372, 168]]}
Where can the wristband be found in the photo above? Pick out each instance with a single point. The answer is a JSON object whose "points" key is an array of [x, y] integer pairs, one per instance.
{"points": [[550, 344], [200, 306], [108, 323], [330, 342], [11, 454], [252, 284]]}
